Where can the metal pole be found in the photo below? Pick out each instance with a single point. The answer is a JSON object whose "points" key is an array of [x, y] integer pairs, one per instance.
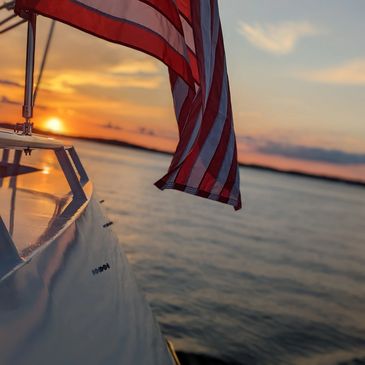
{"points": [[29, 75]]}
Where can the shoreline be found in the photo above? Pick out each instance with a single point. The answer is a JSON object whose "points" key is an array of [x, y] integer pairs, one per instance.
{"points": [[119, 143]]}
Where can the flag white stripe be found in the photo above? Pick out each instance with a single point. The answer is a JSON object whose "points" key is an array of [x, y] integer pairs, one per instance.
{"points": [[180, 93], [143, 15], [212, 141], [188, 34]]}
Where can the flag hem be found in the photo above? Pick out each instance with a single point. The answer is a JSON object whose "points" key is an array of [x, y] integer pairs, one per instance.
{"points": [[236, 203]]}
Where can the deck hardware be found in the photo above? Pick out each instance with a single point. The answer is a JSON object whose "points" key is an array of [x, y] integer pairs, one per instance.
{"points": [[27, 151], [20, 128], [100, 269]]}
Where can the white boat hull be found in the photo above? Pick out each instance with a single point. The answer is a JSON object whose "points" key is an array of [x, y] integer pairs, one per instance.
{"points": [[76, 302]]}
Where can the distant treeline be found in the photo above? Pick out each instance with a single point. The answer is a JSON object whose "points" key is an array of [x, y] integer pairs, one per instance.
{"points": [[119, 143]]}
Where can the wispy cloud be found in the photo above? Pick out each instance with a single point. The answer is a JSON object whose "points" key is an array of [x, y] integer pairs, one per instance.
{"points": [[120, 108], [349, 73], [110, 125], [279, 38], [141, 74], [67, 82], [134, 67], [5, 100], [10, 83], [302, 152]]}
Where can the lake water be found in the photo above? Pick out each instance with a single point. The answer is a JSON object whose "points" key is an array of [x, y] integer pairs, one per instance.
{"points": [[280, 282]]}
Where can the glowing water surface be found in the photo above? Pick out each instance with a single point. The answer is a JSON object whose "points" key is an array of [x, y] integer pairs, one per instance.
{"points": [[280, 282]]}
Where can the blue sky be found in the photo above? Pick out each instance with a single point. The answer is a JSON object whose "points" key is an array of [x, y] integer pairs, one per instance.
{"points": [[300, 66], [297, 75]]}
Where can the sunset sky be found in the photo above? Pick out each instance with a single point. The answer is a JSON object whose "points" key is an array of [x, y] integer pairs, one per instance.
{"points": [[297, 74]]}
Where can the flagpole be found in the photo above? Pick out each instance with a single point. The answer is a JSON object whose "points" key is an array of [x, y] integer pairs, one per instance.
{"points": [[29, 74]]}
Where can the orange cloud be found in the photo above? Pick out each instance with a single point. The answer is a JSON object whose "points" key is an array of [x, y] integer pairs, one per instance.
{"points": [[350, 73], [132, 67]]}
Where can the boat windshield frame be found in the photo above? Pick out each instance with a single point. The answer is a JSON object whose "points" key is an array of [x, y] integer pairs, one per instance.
{"points": [[72, 168]]}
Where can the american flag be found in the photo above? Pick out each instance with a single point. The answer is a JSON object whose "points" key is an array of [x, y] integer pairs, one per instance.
{"points": [[187, 36]]}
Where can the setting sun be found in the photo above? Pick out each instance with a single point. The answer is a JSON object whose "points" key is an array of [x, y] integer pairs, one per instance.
{"points": [[54, 125]]}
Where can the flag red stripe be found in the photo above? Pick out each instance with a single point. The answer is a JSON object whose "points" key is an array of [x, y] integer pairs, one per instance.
{"points": [[193, 65], [208, 118], [184, 8], [173, 78], [186, 110], [117, 31]]}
